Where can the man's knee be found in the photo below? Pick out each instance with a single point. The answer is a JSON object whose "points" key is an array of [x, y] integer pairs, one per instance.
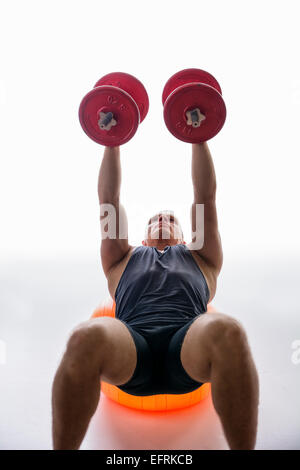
{"points": [[86, 343], [226, 334]]}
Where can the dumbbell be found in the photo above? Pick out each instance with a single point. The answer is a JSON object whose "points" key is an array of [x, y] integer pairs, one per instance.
{"points": [[112, 111], [194, 110]]}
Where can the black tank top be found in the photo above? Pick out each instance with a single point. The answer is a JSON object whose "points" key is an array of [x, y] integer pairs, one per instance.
{"points": [[161, 288]]}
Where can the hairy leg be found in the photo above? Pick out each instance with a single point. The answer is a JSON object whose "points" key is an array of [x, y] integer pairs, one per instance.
{"points": [[216, 350], [101, 348]]}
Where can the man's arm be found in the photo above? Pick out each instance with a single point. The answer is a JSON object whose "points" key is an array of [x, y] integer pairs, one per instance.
{"points": [[109, 184], [204, 184]]}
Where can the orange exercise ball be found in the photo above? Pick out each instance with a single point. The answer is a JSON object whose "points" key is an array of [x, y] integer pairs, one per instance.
{"points": [[152, 402]]}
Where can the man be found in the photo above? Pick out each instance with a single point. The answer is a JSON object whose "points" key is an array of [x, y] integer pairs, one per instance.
{"points": [[162, 339]]}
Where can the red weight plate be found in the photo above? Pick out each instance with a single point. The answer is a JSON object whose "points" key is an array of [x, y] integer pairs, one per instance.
{"points": [[123, 107], [188, 97], [189, 76], [132, 86]]}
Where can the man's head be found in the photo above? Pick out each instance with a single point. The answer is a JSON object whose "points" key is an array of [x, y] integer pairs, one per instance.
{"points": [[163, 229]]}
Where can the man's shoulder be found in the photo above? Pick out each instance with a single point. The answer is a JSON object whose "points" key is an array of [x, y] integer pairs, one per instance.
{"points": [[209, 272]]}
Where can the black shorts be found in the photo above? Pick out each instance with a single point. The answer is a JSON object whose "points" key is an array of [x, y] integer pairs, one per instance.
{"points": [[159, 369]]}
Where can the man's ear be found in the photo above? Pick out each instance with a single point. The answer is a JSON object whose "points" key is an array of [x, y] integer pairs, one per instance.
{"points": [[143, 243]]}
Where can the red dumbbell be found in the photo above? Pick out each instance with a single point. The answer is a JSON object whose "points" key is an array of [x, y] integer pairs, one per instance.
{"points": [[194, 110], [112, 111]]}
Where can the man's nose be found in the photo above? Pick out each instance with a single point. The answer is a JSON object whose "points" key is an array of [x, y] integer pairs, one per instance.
{"points": [[165, 221]]}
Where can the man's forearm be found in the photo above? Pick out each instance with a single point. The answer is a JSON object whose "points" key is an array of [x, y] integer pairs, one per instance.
{"points": [[203, 174], [109, 182]]}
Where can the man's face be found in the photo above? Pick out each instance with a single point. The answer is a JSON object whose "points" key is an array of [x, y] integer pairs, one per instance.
{"points": [[163, 228]]}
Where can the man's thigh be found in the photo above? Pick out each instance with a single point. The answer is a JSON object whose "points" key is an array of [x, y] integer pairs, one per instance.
{"points": [[196, 352], [118, 350]]}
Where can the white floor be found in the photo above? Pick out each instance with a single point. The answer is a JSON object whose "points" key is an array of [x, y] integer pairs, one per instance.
{"points": [[41, 302]]}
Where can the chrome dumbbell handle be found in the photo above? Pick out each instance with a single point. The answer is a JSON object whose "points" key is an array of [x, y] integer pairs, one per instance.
{"points": [[106, 121], [194, 117]]}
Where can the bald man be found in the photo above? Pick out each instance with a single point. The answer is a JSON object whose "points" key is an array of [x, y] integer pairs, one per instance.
{"points": [[162, 339]]}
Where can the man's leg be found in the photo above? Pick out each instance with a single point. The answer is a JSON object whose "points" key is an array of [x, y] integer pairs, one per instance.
{"points": [[215, 349], [101, 348]]}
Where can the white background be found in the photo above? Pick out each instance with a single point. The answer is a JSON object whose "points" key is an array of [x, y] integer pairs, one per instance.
{"points": [[52, 54]]}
